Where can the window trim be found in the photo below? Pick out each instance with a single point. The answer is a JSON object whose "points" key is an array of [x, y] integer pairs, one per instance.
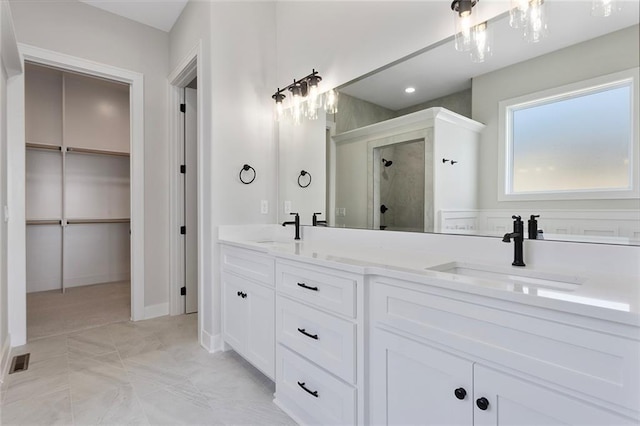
{"points": [[505, 155]]}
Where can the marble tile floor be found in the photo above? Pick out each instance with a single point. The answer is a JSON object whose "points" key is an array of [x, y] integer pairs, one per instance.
{"points": [[53, 312], [150, 372]]}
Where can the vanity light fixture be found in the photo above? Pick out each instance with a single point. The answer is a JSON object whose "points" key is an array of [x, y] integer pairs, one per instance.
{"points": [[470, 36], [530, 17], [306, 99]]}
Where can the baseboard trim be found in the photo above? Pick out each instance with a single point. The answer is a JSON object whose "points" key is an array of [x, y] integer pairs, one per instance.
{"points": [[155, 311], [211, 343], [288, 412], [4, 357]]}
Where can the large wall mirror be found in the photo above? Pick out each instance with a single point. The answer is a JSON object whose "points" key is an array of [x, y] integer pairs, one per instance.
{"points": [[475, 143]]}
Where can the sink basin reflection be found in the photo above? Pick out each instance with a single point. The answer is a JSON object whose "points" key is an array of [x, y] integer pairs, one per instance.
{"points": [[513, 275]]}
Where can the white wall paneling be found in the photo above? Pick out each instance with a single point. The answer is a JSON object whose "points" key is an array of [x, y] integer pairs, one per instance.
{"points": [[80, 187]]}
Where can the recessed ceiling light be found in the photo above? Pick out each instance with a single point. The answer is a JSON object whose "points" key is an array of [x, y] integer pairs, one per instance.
{"points": [[410, 89]]}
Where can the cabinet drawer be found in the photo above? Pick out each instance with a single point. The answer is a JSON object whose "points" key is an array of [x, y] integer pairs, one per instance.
{"points": [[249, 264], [589, 362], [330, 290], [324, 339], [311, 394]]}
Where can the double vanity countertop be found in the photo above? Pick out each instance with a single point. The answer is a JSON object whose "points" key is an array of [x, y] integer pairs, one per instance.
{"points": [[607, 297]]}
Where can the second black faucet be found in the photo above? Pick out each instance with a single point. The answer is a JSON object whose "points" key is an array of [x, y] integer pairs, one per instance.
{"points": [[518, 238]]}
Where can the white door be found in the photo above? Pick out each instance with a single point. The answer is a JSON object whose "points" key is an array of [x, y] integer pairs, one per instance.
{"points": [[512, 401], [415, 384], [190, 200]]}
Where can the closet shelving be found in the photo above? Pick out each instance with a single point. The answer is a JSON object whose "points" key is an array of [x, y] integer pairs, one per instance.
{"points": [[76, 191]]}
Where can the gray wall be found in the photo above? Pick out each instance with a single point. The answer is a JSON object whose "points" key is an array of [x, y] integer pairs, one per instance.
{"points": [[459, 102], [608, 54]]}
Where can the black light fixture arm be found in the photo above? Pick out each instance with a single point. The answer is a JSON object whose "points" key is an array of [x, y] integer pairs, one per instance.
{"points": [[303, 84]]}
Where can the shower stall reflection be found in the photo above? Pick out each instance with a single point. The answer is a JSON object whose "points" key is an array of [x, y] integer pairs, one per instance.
{"points": [[400, 186]]}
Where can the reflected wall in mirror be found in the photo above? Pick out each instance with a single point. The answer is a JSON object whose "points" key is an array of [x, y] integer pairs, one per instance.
{"points": [[579, 48]]}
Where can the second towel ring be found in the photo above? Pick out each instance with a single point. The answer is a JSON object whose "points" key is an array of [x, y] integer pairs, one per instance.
{"points": [[246, 168], [302, 174]]}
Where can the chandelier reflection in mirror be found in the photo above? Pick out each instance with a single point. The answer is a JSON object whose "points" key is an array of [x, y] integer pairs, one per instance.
{"points": [[306, 100], [530, 17]]}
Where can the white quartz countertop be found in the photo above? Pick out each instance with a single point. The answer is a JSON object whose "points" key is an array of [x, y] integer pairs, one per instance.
{"points": [[604, 296]]}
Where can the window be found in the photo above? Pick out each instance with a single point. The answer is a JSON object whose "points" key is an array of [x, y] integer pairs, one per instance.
{"points": [[572, 142]]}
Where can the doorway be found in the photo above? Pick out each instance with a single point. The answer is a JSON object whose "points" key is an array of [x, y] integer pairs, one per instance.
{"points": [[17, 256], [77, 201]]}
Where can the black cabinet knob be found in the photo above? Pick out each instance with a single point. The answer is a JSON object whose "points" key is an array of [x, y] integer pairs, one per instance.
{"points": [[460, 393], [482, 403], [239, 293]]}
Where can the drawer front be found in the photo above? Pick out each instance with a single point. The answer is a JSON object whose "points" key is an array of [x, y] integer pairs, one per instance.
{"points": [[327, 289], [313, 395], [589, 362], [256, 266], [324, 339]]}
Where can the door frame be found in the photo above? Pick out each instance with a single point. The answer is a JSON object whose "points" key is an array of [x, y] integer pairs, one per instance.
{"points": [[17, 298], [189, 68]]}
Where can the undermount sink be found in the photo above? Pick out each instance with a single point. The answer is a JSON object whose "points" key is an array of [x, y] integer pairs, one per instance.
{"points": [[513, 275]]}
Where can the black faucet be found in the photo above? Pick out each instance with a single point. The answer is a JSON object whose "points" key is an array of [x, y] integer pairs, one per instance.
{"points": [[518, 238], [295, 222], [316, 222], [533, 227]]}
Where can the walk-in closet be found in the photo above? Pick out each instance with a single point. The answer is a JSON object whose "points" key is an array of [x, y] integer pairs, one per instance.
{"points": [[77, 201]]}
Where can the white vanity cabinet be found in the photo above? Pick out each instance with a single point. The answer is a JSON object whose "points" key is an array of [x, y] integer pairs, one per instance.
{"points": [[248, 306], [319, 334], [440, 357]]}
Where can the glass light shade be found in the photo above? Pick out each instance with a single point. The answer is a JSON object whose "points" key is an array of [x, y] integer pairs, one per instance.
{"points": [[480, 42], [331, 102], [518, 13], [463, 23], [535, 28], [313, 102], [279, 113], [603, 8]]}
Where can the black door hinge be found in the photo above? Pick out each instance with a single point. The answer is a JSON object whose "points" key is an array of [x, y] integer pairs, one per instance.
{"points": [[183, 291], [183, 169], [183, 230], [183, 107]]}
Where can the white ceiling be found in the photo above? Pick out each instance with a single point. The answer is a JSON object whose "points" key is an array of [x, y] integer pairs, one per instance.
{"points": [[160, 14], [443, 70]]}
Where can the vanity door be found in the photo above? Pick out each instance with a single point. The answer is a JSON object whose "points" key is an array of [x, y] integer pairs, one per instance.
{"points": [[415, 384], [502, 399]]}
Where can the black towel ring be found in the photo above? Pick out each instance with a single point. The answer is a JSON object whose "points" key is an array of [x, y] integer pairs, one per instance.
{"points": [[304, 173], [246, 168]]}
